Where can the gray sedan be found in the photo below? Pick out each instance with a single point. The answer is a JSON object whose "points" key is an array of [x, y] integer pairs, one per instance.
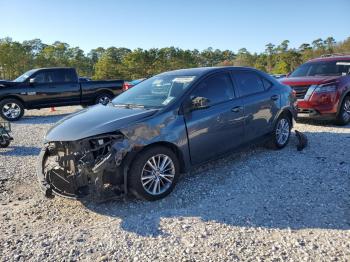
{"points": [[165, 125]]}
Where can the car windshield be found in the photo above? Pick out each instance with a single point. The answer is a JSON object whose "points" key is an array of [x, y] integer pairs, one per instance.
{"points": [[136, 81], [155, 92], [25, 76], [329, 68]]}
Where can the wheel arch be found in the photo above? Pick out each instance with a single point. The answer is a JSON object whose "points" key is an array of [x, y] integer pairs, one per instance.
{"points": [[14, 97], [284, 111], [166, 144], [341, 100], [104, 91]]}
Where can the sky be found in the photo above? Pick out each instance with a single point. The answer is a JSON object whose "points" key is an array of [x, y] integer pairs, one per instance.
{"points": [[188, 24]]}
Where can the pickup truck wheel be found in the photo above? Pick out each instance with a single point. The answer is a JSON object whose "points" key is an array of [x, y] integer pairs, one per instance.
{"points": [[103, 99], [281, 133], [154, 173], [343, 117], [11, 109]]}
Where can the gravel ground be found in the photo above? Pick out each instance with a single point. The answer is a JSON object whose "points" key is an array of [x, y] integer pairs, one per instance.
{"points": [[253, 205]]}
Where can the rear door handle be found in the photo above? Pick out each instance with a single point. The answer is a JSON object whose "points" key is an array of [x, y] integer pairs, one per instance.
{"points": [[237, 109], [274, 97]]}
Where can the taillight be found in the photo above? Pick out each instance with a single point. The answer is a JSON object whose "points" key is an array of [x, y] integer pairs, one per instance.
{"points": [[126, 86]]}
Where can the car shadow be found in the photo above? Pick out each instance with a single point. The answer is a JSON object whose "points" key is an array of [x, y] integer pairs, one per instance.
{"points": [[19, 151], [255, 187]]}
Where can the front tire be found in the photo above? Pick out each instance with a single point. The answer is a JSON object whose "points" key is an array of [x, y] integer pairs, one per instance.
{"points": [[343, 117], [281, 133], [154, 173], [11, 109]]}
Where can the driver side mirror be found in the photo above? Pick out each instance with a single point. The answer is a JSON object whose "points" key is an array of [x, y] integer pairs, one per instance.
{"points": [[196, 103], [32, 81], [200, 102]]}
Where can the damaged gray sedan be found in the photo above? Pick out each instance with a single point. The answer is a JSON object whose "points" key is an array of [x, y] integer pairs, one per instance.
{"points": [[164, 126]]}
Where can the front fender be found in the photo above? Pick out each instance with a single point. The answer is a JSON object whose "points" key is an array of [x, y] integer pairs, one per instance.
{"points": [[12, 96], [167, 129], [287, 109]]}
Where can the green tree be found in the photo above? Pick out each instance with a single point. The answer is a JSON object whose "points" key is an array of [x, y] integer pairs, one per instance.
{"points": [[14, 58], [114, 62], [271, 52], [244, 58], [343, 46], [109, 65], [96, 54], [329, 44]]}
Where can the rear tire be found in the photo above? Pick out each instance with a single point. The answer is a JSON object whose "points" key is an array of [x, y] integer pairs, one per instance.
{"points": [[154, 173], [343, 117], [11, 109], [103, 99], [281, 132]]}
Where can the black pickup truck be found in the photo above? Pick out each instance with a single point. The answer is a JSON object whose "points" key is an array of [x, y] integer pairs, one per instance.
{"points": [[53, 87]]}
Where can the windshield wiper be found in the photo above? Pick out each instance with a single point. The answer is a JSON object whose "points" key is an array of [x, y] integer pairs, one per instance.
{"points": [[328, 74], [130, 105]]}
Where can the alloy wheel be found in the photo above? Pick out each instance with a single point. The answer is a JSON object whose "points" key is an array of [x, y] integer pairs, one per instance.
{"points": [[346, 110], [158, 174], [11, 110], [104, 100], [282, 131]]}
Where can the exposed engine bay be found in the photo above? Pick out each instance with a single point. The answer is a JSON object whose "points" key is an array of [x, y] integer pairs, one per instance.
{"points": [[75, 169]]}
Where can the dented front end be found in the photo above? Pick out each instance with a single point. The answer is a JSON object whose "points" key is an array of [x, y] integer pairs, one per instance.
{"points": [[76, 168], [90, 152]]}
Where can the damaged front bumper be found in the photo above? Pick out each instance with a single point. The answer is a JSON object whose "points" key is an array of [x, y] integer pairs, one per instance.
{"points": [[91, 166]]}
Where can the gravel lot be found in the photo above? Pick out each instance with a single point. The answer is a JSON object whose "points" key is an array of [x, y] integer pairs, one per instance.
{"points": [[253, 205]]}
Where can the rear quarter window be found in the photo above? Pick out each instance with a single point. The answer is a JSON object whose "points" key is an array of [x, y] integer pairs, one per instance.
{"points": [[267, 84]]}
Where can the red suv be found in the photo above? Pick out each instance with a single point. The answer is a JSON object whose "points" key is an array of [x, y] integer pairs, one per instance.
{"points": [[322, 87]]}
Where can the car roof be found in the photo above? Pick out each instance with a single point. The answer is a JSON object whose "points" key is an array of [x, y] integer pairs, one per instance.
{"points": [[199, 71], [331, 58], [48, 68]]}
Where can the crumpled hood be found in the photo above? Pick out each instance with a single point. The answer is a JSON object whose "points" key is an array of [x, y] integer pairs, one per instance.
{"points": [[93, 121], [307, 80]]}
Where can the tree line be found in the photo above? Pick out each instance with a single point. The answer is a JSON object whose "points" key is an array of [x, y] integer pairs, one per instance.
{"points": [[123, 63]]}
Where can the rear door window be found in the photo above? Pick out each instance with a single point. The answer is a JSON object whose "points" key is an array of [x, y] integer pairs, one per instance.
{"points": [[62, 76], [69, 75], [248, 83], [217, 88]]}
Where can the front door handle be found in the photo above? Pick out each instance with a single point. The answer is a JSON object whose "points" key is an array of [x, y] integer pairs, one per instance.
{"points": [[274, 97], [237, 109]]}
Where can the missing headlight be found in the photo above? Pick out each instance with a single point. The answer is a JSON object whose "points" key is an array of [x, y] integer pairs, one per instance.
{"points": [[75, 168]]}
